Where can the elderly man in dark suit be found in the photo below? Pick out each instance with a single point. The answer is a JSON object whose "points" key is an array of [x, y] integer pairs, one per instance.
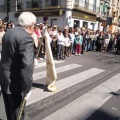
{"points": [[17, 60]]}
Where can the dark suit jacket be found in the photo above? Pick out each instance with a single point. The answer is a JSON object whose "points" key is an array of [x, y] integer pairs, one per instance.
{"points": [[17, 61]]}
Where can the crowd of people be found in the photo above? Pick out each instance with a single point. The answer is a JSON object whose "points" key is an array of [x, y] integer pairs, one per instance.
{"points": [[76, 41], [69, 41]]}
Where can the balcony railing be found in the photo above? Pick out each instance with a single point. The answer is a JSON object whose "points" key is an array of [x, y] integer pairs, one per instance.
{"points": [[86, 5]]}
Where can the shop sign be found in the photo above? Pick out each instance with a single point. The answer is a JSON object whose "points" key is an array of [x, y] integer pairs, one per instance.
{"points": [[86, 17], [83, 15]]}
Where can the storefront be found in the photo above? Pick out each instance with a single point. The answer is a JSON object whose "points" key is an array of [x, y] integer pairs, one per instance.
{"points": [[66, 17], [83, 19]]}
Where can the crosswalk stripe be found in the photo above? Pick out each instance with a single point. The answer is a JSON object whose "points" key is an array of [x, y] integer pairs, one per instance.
{"points": [[87, 104], [68, 82], [44, 63], [61, 69]]}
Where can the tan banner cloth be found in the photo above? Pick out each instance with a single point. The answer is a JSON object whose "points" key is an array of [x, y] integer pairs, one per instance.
{"points": [[50, 66]]}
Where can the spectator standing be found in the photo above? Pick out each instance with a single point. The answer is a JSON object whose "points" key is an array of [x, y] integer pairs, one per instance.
{"points": [[72, 38], [60, 44], [78, 43], [54, 44], [106, 42]]}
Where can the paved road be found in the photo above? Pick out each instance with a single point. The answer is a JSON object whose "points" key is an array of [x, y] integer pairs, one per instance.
{"points": [[88, 89]]}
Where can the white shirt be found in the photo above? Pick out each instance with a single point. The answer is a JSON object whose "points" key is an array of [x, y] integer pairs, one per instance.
{"points": [[60, 39]]}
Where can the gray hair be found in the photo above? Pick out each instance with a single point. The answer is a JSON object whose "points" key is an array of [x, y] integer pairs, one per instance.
{"points": [[26, 19]]}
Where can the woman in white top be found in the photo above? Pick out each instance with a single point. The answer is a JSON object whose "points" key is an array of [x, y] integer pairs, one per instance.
{"points": [[60, 44], [72, 39], [106, 42]]}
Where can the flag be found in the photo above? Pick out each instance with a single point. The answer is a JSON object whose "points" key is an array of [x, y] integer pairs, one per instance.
{"points": [[50, 66]]}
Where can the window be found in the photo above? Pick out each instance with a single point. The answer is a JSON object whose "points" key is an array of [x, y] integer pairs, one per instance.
{"points": [[76, 23], [54, 2], [51, 2], [92, 26], [85, 24]]}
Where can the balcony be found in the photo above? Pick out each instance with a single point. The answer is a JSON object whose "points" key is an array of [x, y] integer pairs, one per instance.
{"points": [[50, 3], [33, 5], [86, 5]]}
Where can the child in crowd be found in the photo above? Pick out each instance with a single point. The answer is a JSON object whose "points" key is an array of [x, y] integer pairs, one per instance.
{"points": [[67, 45]]}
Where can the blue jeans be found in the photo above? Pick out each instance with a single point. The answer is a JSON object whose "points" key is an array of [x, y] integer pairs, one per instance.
{"points": [[59, 50], [72, 48]]}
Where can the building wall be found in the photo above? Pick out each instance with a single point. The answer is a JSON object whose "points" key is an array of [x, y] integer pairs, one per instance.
{"points": [[62, 21], [114, 9]]}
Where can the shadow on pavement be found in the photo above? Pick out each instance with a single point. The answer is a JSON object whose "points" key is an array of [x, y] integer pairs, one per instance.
{"points": [[115, 94], [41, 86], [110, 58], [102, 115]]}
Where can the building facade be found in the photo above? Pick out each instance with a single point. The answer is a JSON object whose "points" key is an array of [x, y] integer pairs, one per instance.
{"points": [[109, 15], [74, 13], [115, 13]]}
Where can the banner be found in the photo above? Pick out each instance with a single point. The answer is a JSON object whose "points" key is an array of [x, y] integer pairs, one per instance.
{"points": [[50, 66]]}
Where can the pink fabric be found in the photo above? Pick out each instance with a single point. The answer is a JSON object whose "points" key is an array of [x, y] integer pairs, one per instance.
{"points": [[37, 32]]}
